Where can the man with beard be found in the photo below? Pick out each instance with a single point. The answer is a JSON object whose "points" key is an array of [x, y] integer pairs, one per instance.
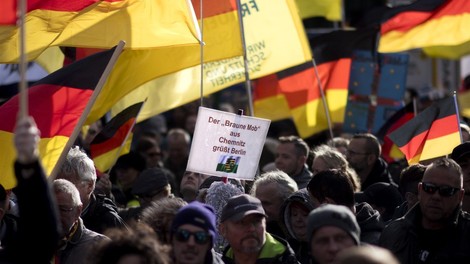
{"points": [[363, 155], [193, 235], [436, 230], [291, 158], [243, 224]]}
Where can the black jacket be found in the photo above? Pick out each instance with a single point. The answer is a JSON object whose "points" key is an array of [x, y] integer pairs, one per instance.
{"points": [[38, 224], [101, 214], [379, 173], [452, 246]]}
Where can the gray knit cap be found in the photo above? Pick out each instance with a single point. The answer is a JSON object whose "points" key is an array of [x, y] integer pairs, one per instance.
{"points": [[333, 215]]}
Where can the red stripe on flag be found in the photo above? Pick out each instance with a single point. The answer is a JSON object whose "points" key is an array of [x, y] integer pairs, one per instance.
{"points": [[213, 7], [52, 113], [300, 88], [61, 5], [406, 20], [336, 74], [414, 146], [265, 87], [443, 127], [8, 12], [114, 142]]}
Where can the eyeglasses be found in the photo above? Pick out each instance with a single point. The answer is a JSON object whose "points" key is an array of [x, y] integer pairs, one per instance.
{"points": [[65, 209], [200, 237], [444, 191], [352, 152]]}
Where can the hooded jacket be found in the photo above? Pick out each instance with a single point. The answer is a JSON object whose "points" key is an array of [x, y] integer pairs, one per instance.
{"points": [[370, 223], [301, 248], [303, 178]]}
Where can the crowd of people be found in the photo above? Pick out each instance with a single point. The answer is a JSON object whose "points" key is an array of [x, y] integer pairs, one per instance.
{"points": [[335, 202]]}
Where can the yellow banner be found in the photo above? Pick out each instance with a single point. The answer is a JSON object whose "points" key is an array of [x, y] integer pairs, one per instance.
{"points": [[275, 40]]}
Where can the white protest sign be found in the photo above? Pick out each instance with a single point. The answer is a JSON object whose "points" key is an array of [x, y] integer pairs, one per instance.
{"points": [[226, 144]]}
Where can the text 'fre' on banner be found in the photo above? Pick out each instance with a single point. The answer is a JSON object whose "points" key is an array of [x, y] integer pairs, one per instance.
{"points": [[227, 144]]}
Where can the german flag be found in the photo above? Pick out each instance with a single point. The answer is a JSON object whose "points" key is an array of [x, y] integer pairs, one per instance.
{"points": [[56, 103], [432, 133], [142, 24], [299, 85], [390, 151], [437, 26], [44, 21], [115, 138]]}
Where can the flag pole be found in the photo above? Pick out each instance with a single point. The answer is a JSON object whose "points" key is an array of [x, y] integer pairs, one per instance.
{"points": [[245, 60], [200, 36], [456, 105], [323, 99], [125, 138], [87, 109], [202, 52], [23, 85]]}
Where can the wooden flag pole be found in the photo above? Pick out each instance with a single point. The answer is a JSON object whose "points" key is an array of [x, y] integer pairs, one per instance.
{"points": [[23, 63], [323, 99], [87, 109], [245, 60]]}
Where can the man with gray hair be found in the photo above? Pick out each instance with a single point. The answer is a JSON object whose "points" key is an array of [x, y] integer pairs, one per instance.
{"points": [[272, 189], [99, 212], [76, 238]]}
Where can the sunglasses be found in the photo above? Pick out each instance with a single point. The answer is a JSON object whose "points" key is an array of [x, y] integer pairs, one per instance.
{"points": [[200, 237], [444, 191]]}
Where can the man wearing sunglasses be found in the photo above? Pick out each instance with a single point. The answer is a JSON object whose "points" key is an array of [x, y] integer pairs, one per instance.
{"points": [[435, 230], [193, 234]]}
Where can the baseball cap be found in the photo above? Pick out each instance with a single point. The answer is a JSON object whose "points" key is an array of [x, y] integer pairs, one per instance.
{"points": [[240, 206]]}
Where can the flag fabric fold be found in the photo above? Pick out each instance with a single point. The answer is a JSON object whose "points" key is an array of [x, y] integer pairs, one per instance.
{"points": [[432, 133], [115, 138], [142, 24], [439, 27], [56, 103], [390, 151], [266, 54]]}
